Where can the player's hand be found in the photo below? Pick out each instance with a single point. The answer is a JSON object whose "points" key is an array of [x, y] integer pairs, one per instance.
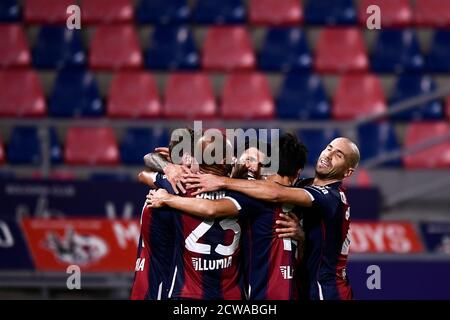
{"points": [[289, 227], [156, 198], [164, 151], [175, 175], [203, 182]]}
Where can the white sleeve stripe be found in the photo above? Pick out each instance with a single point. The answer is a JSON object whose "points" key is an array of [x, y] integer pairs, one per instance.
{"points": [[310, 195], [238, 206]]}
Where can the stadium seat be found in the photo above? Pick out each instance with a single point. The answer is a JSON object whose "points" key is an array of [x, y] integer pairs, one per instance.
{"points": [[9, 11], [14, 50], [437, 59], [163, 11], [396, 13], [56, 152], [316, 140], [75, 93], [432, 13], [409, 86], [107, 11], [110, 177], [330, 12], [137, 142], [189, 95], [341, 50], [303, 97], [172, 47], [133, 94], [2, 153], [448, 107], [24, 147], [433, 157], [397, 51], [228, 48], [376, 139], [57, 47], [219, 12], [358, 95], [275, 12], [285, 49], [247, 96], [91, 146], [114, 47], [13, 101], [47, 11]]}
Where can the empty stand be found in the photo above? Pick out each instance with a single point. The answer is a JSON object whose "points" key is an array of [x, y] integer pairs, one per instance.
{"points": [[189, 95], [114, 47], [13, 101], [2, 152], [341, 50], [137, 142], [247, 96], [330, 12], [437, 59], [14, 50], [133, 94], [302, 96], [91, 146], [275, 13], [47, 11], [316, 140], [432, 13], [172, 47], [398, 13], [107, 11], [219, 12], [285, 49], [397, 51], [228, 48], [24, 146], [163, 11], [9, 11], [437, 156], [412, 85], [358, 95], [56, 151], [75, 93], [58, 47]]}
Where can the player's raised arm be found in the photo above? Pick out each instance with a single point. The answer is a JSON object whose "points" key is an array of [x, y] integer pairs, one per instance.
{"points": [[262, 190], [198, 207]]}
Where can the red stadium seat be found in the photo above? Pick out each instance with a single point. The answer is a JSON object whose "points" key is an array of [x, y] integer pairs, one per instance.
{"points": [[107, 11], [437, 156], [341, 50], [189, 95], [275, 12], [115, 47], [448, 107], [228, 48], [2, 153], [91, 146], [47, 11], [432, 13], [133, 94], [14, 51], [247, 96], [358, 95], [21, 94], [396, 13]]}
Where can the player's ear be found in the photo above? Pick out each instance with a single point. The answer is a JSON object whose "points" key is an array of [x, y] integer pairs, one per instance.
{"points": [[349, 172]]}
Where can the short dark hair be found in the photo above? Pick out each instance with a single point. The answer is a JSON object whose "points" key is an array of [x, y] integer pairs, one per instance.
{"points": [[173, 143], [293, 154]]}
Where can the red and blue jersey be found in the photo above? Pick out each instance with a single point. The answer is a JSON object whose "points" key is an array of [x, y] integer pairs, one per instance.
{"points": [[155, 251], [326, 226], [269, 260]]}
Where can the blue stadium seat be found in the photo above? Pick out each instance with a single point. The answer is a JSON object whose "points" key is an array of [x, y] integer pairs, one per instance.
{"points": [[24, 146], [9, 11], [438, 58], [109, 177], [56, 151], [413, 85], [316, 140], [330, 12], [75, 93], [285, 49], [163, 11], [397, 51], [302, 96], [58, 47], [219, 12], [172, 47], [137, 142], [376, 139]]}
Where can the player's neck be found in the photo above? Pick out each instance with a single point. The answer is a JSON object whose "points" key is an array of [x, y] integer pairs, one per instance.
{"points": [[285, 181], [323, 182]]}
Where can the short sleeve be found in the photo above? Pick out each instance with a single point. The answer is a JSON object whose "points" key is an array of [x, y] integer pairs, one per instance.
{"points": [[322, 198], [162, 182], [245, 204]]}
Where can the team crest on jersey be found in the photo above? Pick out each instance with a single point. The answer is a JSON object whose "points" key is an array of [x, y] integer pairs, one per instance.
{"points": [[287, 272]]}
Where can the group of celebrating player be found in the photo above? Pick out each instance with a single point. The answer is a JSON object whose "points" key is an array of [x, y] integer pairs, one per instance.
{"points": [[220, 231]]}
